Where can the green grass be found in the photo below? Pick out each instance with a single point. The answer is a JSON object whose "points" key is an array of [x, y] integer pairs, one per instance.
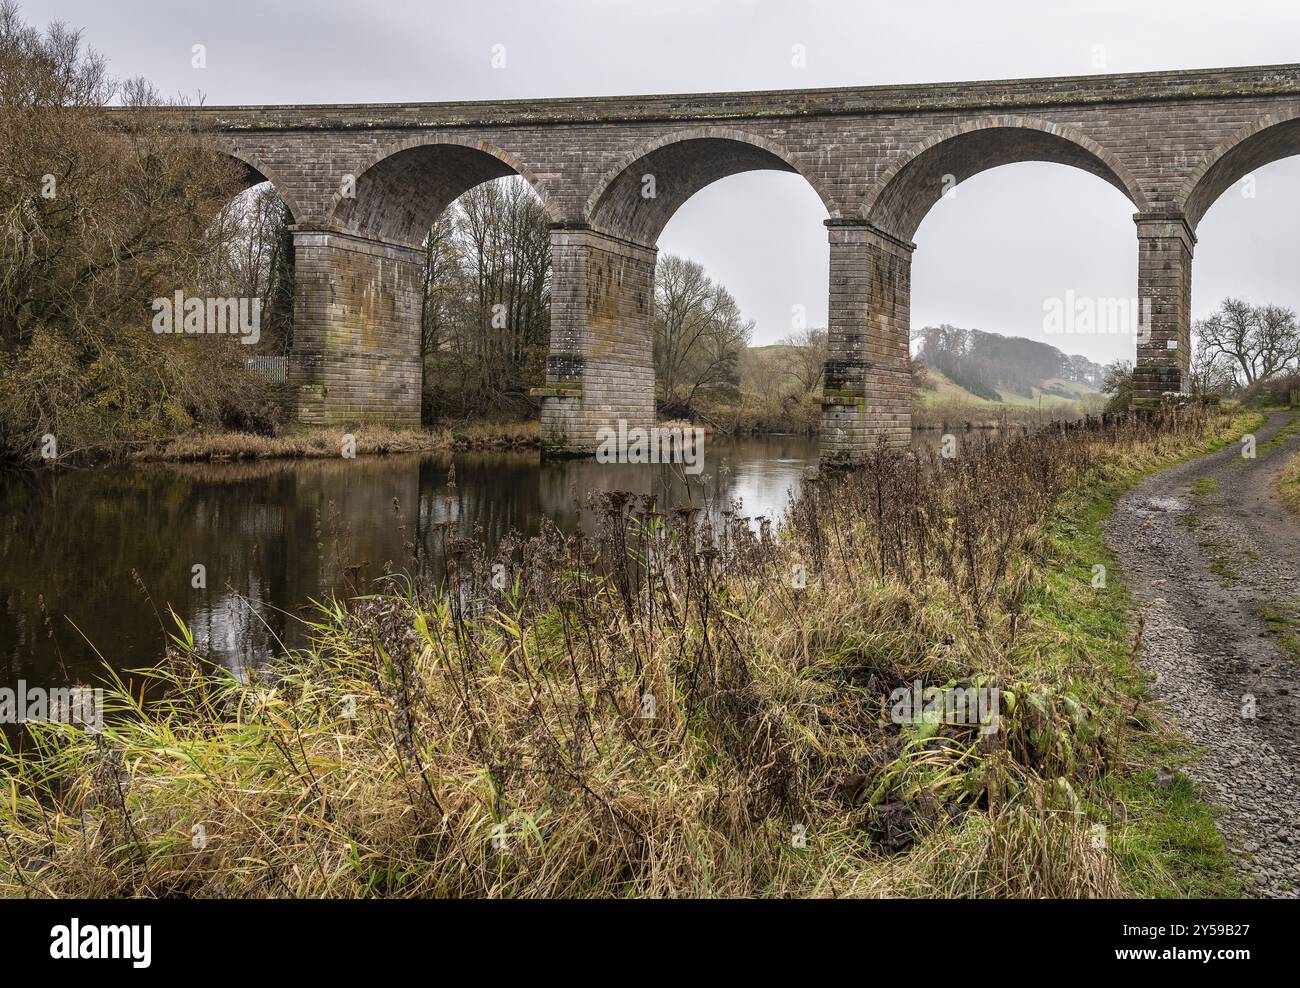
{"points": [[1289, 484], [942, 388], [1287, 432], [1227, 573], [1282, 621], [1174, 847], [943, 402], [1224, 565]]}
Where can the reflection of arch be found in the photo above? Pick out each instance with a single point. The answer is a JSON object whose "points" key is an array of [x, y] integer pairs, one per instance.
{"points": [[257, 172], [902, 197], [682, 163], [1262, 143], [404, 188]]}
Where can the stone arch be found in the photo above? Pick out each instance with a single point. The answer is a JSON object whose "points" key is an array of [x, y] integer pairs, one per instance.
{"points": [[682, 162], [402, 189], [1263, 142], [904, 194], [255, 171]]}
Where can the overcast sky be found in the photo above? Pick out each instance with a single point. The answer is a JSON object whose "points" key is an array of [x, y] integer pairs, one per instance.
{"points": [[986, 259]]}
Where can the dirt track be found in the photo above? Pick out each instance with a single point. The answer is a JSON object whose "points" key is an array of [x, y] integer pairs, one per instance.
{"points": [[1213, 557]]}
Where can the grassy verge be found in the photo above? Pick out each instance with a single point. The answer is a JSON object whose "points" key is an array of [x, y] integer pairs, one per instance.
{"points": [[1168, 844], [661, 709], [320, 442], [1283, 434], [497, 435], [1289, 484], [1282, 620]]}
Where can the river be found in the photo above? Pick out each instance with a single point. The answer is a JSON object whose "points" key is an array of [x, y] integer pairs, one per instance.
{"points": [[94, 558]]}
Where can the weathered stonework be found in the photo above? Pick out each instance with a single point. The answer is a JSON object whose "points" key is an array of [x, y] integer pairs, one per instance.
{"points": [[1165, 244], [867, 386], [356, 330], [600, 368], [1172, 142]]}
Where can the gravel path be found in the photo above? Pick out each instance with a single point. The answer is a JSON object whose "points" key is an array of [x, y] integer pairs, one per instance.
{"points": [[1213, 558]]}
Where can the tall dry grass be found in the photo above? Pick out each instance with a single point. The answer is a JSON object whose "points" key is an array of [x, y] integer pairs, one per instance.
{"points": [[315, 442], [657, 706]]}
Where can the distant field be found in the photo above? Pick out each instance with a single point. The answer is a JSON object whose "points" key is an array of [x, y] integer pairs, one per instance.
{"points": [[1054, 392], [946, 401]]}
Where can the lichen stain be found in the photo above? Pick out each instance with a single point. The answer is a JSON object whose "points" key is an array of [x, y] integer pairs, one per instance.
{"points": [[375, 302]]}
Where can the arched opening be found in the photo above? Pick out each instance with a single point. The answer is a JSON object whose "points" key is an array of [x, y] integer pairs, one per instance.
{"points": [[1244, 325], [757, 240], [426, 295], [906, 193], [485, 304], [1022, 297], [668, 332], [637, 198], [248, 171], [399, 195], [975, 248], [1260, 145]]}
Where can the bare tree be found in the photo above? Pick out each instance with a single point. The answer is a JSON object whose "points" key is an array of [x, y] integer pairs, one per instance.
{"points": [[486, 308], [441, 284], [1277, 339], [1260, 341], [805, 360], [1211, 371], [98, 219], [699, 332], [258, 262]]}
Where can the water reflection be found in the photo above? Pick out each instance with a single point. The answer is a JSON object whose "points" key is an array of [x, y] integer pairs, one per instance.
{"points": [[95, 558]]}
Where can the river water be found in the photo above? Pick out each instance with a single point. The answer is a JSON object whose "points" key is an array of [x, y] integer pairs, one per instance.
{"points": [[94, 558]]}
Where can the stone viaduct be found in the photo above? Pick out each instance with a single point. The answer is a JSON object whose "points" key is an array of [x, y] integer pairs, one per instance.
{"points": [[365, 182]]}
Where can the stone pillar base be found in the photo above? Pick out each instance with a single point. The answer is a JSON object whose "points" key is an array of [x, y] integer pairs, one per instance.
{"points": [[867, 387], [356, 335], [1165, 246], [601, 365]]}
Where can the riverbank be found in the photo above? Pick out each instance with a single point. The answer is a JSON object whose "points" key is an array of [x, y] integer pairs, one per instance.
{"points": [[320, 442], [317, 442], [725, 728]]}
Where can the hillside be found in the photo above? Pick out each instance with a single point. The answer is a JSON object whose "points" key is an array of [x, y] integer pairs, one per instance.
{"points": [[759, 362], [1054, 393]]}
